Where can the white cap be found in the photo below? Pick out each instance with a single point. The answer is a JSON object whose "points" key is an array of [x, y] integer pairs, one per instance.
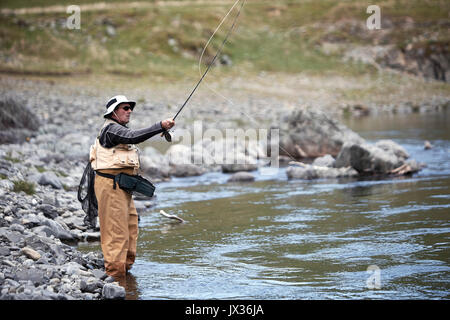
{"points": [[115, 101]]}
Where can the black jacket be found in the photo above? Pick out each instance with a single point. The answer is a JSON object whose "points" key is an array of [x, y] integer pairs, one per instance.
{"points": [[116, 133]]}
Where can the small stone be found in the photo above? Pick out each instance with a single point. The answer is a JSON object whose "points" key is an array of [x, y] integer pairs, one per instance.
{"points": [[110, 31], [31, 253]]}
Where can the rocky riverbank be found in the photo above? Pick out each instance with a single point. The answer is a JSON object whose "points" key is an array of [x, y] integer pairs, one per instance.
{"points": [[40, 222], [39, 261]]}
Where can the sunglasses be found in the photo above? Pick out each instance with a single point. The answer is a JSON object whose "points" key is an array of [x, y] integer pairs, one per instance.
{"points": [[126, 108]]}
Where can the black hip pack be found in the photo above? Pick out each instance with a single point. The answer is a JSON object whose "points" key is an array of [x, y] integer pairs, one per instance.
{"points": [[131, 183]]}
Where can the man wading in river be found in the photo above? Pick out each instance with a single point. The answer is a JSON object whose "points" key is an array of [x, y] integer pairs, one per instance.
{"points": [[114, 155]]}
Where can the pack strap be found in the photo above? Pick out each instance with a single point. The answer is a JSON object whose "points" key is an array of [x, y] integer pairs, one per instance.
{"points": [[109, 176]]}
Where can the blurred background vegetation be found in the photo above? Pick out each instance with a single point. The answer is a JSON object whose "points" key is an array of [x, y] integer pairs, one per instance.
{"points": [[164, 39]]}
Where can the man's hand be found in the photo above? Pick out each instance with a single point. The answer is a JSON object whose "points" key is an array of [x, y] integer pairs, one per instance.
{"points": [[167, 124]]}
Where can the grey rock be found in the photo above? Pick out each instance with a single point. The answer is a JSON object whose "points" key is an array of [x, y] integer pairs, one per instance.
{"points": [[58, 253], [392, 147], [305, 173], [8, 263], [48, 210], [312, 133], [17, 227], [30, 221], [226, 60], [236, 167], [55, 229], [6, 185], [186, 170], [72, 268], [367, 159], [310, 172], [91, 285], [50, 178], [37, 243], [13, 237], [113, 291], [75, 222], [325, 161], [154, 165], [110, 31], [36, 276], [99, 274], [91, 236], [241, 176]]}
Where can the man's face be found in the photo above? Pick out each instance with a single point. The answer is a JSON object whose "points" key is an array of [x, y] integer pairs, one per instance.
{"points": [[122, 113]]}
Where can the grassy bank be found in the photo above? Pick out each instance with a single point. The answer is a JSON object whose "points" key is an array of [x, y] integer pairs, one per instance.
{"points": [[165, 42]]}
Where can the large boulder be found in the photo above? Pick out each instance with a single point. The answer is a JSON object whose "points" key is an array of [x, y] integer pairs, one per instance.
{"points": [[17, 122], [311, 133], [179, 154], [381, 158], [154, 165]]}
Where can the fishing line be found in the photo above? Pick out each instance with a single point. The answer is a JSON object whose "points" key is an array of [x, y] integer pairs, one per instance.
{"points": [[215, 57], [166, 133], [219, 94]]}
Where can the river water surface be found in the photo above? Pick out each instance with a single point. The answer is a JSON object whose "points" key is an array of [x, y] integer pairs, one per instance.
{"points": [[325, 239]]}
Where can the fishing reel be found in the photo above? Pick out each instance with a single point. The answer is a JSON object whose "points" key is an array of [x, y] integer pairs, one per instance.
{"points": [[166, 135]]}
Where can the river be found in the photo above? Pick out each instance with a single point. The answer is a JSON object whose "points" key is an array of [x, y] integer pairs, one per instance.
{"points": [[324, 239]]}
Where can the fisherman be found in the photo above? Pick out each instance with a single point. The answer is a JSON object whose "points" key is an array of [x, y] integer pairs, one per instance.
{"points": [[114, 152]]}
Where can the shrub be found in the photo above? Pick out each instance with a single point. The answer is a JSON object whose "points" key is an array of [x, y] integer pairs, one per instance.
{"points": [[25, 186]]}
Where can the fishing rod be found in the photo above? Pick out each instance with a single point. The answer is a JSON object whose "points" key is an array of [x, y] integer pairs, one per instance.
{"points": [[166, 133]]}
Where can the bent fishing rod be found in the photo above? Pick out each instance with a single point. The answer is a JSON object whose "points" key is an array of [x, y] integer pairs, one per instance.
{"points": [[166, 133]]}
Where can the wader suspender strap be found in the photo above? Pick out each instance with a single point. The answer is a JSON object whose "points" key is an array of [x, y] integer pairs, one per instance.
{"points": [[96, 147]]}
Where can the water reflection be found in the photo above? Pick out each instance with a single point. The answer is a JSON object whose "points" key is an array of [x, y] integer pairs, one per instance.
{"points": [[129, 283]]}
